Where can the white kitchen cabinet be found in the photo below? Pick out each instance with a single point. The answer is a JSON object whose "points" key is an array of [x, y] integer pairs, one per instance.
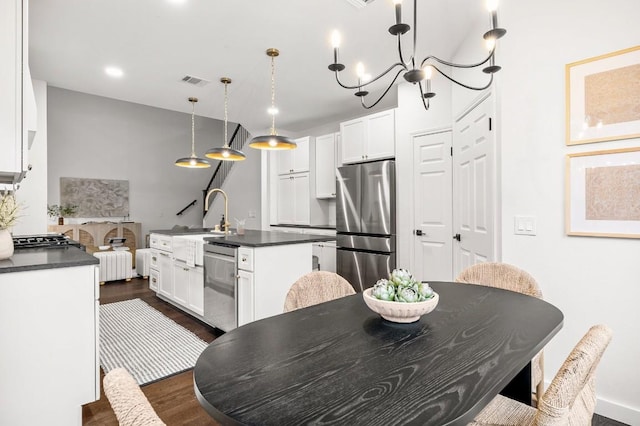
{"points": [[326, 254], [153, 280], [325, 166], [261, 292], [294, 160], [246, 293], [368, 138], [188, 286], [17, 103], [60, 363], [165, 275], [293, 199]]}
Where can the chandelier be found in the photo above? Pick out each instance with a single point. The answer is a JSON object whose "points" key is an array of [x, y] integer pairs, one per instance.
{"points": [[225, 153], [272, 141], [419, 73], [193, 161]]}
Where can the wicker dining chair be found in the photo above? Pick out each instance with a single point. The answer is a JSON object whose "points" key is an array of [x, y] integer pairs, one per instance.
{"points": [[571, 397], [316, 287], [129, 404], [509, 277]]}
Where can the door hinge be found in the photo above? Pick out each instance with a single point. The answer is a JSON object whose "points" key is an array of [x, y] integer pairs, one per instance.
{"points": [[490, 124]]}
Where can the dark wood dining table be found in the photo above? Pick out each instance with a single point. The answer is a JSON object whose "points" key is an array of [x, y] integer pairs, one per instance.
{"points": [[340, 363]]}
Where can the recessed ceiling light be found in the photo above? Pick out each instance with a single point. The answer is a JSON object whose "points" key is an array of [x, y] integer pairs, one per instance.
{"points": [[114, 72]]}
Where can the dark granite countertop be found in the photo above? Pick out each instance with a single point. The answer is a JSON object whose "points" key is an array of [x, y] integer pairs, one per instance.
{"points": [[324, 227], [46, 258], [253, 238], [188, 231]]}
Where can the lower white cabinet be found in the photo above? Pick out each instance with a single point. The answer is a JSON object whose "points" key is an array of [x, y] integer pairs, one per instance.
{"points": [[326, 255], [246, 293], [49, 338], [262, 291], [165, 276], [153, 280]]}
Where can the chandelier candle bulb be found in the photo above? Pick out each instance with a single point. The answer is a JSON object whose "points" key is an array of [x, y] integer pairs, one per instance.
{"points": [[398, 6]]}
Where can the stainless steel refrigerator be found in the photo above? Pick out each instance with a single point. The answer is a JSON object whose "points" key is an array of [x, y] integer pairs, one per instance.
{"points": [[366, 222]]}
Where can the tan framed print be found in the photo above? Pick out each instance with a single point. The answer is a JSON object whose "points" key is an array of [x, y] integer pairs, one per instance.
{"points": [[603, 98], [603, 193]]}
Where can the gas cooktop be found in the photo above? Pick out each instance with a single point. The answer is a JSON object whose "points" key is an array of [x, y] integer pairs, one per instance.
{"points": [[43, 241]]}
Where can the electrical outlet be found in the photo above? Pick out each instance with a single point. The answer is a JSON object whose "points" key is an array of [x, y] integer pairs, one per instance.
{"points": [[252, 214], [524, 225]]}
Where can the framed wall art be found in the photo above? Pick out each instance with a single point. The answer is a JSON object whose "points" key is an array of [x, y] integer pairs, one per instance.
{"points": [[96, 197], [603, 193], [603, 98]]}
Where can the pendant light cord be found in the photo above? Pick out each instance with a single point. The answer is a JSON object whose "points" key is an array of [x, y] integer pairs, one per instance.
{"points": [[226, 143], [273, 96], [193, 129]]}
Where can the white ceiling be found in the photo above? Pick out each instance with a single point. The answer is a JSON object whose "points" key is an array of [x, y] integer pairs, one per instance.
{"points": [[158, 42]]}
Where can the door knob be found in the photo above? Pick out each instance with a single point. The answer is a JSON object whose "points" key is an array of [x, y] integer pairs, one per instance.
{"points": [[418, 232], [456, 237]]}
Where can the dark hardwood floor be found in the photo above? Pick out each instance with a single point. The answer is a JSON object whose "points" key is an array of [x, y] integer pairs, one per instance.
{"points": [[173, 398]]}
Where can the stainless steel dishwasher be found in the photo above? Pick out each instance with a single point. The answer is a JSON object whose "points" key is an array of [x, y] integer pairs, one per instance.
{"points": [[221, 286]]}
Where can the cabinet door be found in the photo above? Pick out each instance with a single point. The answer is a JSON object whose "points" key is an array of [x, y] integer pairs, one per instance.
{"points": [[353, 135], [380, 135], [153, 280], [326, 166], [302, 214], [246, 294], [165, 275], [284, 162], [286, 200], [196, 290], [181, 283], [300, 155]]}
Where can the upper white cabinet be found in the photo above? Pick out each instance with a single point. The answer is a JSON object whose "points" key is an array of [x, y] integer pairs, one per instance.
{"points": [[294, 160], [294, 199], [326, 166], [17, 103], [368, 138]]}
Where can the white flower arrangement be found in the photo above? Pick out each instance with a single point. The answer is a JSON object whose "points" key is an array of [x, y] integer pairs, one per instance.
{"points": [[9, 210]]}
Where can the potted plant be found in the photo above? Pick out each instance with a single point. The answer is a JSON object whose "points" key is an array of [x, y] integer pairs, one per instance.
{"points": [[61, 211], [9, 213]]}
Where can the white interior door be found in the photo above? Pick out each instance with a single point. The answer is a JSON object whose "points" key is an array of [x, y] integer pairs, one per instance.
{"points": [[433, 230], [474, 184]]}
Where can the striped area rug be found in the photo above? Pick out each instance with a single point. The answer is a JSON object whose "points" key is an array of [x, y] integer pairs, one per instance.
{"points": [[149, 345]]}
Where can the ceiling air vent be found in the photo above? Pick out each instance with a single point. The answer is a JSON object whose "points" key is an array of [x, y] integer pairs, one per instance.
{"points": [[359, 3], [197, 81]]}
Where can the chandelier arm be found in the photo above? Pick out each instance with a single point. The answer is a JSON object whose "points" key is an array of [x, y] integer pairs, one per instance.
{"points": [[383, 94], [453, 64], [466, 86], [425, 101], [358, 86]]}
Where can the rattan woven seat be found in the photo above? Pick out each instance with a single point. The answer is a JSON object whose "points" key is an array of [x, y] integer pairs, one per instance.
{"points": [[509, 277], [571, 397], [130, 405], [316, 287]]}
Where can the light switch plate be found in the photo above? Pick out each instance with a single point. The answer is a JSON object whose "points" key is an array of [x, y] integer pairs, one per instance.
{"points": [[524, 225]]}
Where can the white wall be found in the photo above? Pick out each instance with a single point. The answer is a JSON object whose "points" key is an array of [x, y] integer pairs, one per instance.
{"points": [[100, 138], [592, 280], [32, 194]]}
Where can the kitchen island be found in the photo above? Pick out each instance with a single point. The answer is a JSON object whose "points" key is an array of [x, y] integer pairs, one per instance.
{"points": [[49, 359], [261, 268]]}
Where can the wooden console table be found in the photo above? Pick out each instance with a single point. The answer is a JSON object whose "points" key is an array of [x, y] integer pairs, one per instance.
{"points": [[97, 234]]}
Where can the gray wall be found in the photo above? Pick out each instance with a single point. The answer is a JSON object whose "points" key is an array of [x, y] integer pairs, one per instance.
{"points": [[101, 138]]}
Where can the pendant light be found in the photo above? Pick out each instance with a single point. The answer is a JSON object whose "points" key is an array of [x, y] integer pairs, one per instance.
{"points": [[193, 162], [225, 153], [272, 141]]}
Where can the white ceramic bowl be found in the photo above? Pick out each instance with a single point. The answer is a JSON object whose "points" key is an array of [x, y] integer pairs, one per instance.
{"points": [[104, 247], [399, 311]]}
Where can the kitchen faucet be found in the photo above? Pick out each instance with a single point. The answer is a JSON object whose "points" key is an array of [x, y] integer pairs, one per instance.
{"points": [[226, 207]]}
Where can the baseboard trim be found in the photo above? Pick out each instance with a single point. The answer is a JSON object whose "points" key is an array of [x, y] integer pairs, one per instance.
{"points": [[620, 413]]}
